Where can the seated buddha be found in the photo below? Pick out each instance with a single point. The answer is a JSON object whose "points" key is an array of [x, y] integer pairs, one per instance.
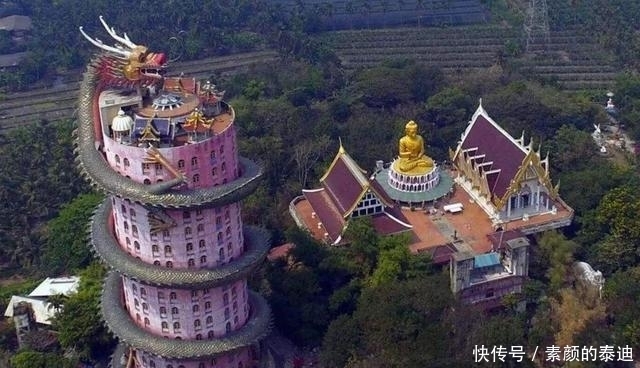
{"points": [[412, 160]]}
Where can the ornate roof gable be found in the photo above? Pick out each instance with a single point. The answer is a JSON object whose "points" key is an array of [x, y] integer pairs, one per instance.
{"points": [[347, 183], [495, 162]]}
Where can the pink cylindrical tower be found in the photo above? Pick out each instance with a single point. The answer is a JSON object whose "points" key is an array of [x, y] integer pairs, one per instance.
{"points": [[164, 149]]}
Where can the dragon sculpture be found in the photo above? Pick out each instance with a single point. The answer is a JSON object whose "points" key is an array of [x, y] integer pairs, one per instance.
{"points": [[132, 66]]}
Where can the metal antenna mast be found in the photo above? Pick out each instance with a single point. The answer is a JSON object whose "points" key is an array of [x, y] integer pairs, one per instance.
{"points": [[536, 24]]}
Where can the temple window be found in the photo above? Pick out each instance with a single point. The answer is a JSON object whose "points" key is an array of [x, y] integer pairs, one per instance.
{"points": [[145, 307], [196, 178], [165, 326], [187, 232], [219, 238], [223, 167], [194, 162], [156, 263], [146, 321], [221, 149], [166, 235], [225, 299], [145, 168], [525, 200], [233, 292], [200, 229], [163, 311], [214, 172], [176, 327], [205, 291], [227, 218], [160, 296], [126, 162], [126, 226], [228, 327], [235, 320], [210, 335], [189, 247], [213, 155], [138, 318], [128, 241], [235, 306], [158, 168], [207, 305], [191, 262], [134, 231], [186, 215], [132, 212], [155, 249], [152, 364], [196, 324], [221, 254], [181, 164], [172, 296], [201, 244], [169, 264], [209, 320], [124, 210], [203, 259], [134, 289], [174, 311], [218, 223], [227, 231], [196, 308], [227, 313], [117, 160], [199, 214], [167, 251], [136, 303]]}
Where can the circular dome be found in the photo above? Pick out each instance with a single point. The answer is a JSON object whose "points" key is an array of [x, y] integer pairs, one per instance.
{"points": [[122, 122]]}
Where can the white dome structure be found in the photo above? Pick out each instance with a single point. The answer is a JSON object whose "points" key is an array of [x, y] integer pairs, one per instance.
{"points": [[122, 122]]}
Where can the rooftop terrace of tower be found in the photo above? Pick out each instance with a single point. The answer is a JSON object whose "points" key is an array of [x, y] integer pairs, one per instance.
{"points": [[182, 112]]}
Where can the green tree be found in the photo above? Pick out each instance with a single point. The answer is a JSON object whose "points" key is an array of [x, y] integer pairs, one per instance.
{"points": [[67, 250], [78, 323], [34, 359]]}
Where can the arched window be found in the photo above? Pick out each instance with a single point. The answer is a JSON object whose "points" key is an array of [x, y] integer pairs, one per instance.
{"points": [[160, 295], [126, 226], [207, 305], [165, 325], [154, 248], [187, 231], [166, 234], [221, 253], [196, 323], [176, 325], [233, 291], [156, 263], [191, 262], [235, 306], [145, 307], [134, 230], [209, 320], [210, 335], [169, 264], [196, 178], [174, 311], [235, 320], [136, 303], [136, 245], [163, 310], [152, 364], [201, 244], [221, 149], [200, 228], [143, 292], [194, 161], [147, 181], [128, 241], [227, 231], [180, 164], [213, 155], [219, 238], [223, 167], [172, 296], [186, 215], [203, 259], [189, 247], [196, 308], [134, 288], [138, 318], [146, 321], [132, 212], [227, 313], [123, 210], [214, 172], [225, 299], [117, 160], [228, 327], [167, 251], [126, 162]]}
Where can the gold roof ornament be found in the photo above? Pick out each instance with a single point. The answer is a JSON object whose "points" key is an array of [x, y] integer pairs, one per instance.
{"points": [[149, 133]]}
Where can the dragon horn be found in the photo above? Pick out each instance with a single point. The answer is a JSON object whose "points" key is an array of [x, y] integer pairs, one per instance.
{"points": [[101, 45], [112, 32]]}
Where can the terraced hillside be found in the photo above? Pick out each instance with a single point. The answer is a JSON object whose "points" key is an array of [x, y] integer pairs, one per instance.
{"points": [[573, 61], [58, 103]]}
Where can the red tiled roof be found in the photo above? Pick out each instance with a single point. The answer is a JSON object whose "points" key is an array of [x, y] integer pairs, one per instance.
{"points": [[497, 147], [499, 238], [326, 212], [281, 251], [440, 254], [343, 183], [385, 224]]}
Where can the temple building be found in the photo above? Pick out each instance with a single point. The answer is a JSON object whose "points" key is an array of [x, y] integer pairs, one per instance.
{"points": [[171, 229], [474, 215]]}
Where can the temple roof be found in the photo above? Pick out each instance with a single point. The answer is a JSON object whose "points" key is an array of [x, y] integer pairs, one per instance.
{"points": [[346, 183], [501, 154]]}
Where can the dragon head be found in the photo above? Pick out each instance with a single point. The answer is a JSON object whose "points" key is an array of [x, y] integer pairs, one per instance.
{"points": [[126, 62]]}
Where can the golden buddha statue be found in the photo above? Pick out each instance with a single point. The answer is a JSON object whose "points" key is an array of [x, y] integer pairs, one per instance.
{"points": [[412, 160]]}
